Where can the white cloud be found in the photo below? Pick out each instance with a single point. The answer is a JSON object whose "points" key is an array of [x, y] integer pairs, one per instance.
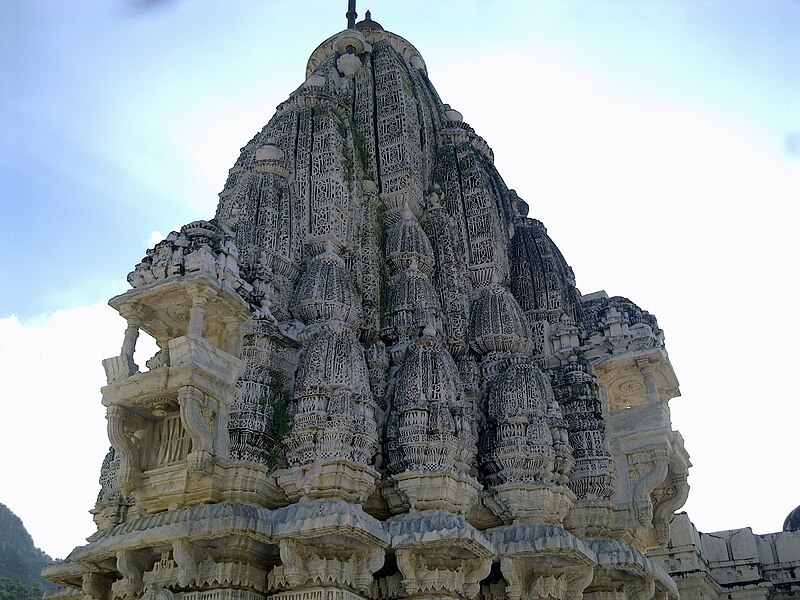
{"points": [[52, 433], [155, 237]]}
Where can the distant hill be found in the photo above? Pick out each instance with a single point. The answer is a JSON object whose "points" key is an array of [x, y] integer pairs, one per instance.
{"points": [[20, 561]]}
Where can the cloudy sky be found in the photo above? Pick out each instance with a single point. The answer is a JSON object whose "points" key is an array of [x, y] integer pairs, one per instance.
{"points": [[659, 141]]}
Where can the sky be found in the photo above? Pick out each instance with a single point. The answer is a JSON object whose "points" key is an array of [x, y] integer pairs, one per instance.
{"points": [[659, 142]]}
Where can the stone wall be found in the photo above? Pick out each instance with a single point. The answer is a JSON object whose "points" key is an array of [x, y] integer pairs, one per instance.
{"points": [[731, 565]]}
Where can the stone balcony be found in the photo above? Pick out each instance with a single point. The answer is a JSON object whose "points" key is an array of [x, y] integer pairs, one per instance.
{"points": [[169, 425]]}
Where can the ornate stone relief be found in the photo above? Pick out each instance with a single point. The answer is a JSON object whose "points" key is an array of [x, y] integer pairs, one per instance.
{"points": [[497, 326], [453, 565], [430, 435], [377, 379], [593, 476], [334, 423], [525, 451]]}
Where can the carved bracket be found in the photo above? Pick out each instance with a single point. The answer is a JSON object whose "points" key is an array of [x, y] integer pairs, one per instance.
{"points": [[198, 413], [131, 566], [304, 564], [188, 557], [666, 500], [95, 586], [126, 448], [427, 575], [651, 467], [643, 589], [526, 583]]}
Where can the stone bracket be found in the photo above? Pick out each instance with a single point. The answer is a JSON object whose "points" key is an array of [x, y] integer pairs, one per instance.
{"points": [[303, 564], [424, 575]]}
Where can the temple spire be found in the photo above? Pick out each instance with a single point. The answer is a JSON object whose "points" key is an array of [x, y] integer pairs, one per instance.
{"points": [[351, 14]]}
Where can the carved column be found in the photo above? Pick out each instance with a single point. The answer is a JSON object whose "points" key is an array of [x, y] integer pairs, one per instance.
{"points": [[197, 314], [121, 367], [649, 377], [131, 335]]}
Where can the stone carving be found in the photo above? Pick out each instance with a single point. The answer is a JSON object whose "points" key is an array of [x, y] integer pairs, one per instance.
{"points": [[519, 444], [95, 585], [111, 506], [541, 279], [125, 447], [326, 291], [199, 247], [412, 305], [593, 476], [334, 413], [158, 594], [615, 325], [455, 569], [450, 277], [429, 423], [497, 326], [430, 434], [564, 586], [108, 477], [131, 565], [377, 379], [302, 564], [406, 242]]}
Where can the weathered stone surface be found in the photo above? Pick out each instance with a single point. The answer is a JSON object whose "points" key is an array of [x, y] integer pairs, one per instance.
{"points": [[377, 379], [735, 563]]}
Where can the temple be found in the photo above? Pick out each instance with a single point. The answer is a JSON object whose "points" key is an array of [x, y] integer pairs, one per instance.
{"points": [[377, 380]]}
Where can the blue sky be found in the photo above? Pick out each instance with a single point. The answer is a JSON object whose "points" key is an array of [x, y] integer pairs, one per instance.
{"points": [[659, 141]]}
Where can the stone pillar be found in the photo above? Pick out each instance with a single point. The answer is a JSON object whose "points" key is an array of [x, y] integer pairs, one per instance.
{"points": [[197, 315], [233, 335], [646, 369], [129, 342], [121, 367]]}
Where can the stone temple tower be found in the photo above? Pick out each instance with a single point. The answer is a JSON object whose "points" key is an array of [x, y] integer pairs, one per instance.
{"points": [[377, 378]]}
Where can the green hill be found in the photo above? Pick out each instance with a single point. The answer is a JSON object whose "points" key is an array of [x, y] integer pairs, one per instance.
{"points": [[20, 561]]}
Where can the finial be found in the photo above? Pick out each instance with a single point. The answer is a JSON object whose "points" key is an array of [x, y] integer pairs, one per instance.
{"points": [[352, 14], [406, 213]]}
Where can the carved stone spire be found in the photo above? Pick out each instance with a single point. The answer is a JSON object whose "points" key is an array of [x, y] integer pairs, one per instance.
{"points": [[355, 361]]}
